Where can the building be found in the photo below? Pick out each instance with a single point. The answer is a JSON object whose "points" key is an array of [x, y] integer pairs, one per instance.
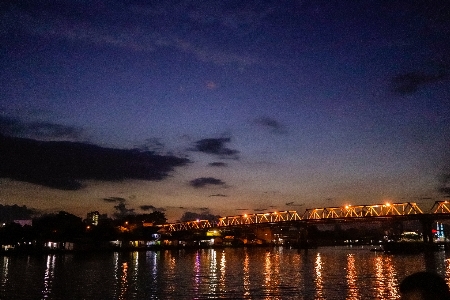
{"points": [[92, 218]]}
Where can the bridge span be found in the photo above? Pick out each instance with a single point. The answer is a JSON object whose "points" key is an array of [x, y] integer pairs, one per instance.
{"points": [[401, 211]]}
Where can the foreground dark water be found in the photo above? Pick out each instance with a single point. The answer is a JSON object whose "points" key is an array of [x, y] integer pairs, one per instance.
{"points": [[233, 273]]}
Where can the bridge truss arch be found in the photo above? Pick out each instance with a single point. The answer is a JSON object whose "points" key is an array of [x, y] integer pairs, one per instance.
{"points": [[326, 213]]}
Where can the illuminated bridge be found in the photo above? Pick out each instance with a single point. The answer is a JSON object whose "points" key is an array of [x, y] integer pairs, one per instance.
{"points": [[400, 211]]}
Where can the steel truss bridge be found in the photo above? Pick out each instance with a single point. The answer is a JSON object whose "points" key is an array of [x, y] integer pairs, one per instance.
{"points": [[440, 209]]}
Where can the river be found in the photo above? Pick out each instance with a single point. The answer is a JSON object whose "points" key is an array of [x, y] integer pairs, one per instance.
{"points": [[229, 273]]}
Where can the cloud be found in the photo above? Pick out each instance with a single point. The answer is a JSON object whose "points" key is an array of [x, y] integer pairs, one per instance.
{"points": [[294, 204], [218, 195], [411, 82], [216, 146], [125, 26], [205, 215], [444, 185], [271, 124], [114, 200], [210, 54], [211, 85], [153, 145], [204, 181], [39, 130], [147, 207], [122, 210], [64, 165], [260, 209], [151, 207], [217, 164]]}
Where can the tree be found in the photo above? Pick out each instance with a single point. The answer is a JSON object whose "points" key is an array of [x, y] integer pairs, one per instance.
{"points": [[61, 226]]}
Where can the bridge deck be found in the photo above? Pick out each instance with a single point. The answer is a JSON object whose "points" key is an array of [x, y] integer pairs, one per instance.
{"points": [[359, 212]]}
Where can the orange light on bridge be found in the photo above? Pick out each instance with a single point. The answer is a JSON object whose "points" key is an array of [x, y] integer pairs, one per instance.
{"points": [[245, 216], [347, 206], [387, 204]]}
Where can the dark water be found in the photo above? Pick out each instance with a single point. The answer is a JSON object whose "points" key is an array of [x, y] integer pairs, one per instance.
{"points": [[258, 273]]}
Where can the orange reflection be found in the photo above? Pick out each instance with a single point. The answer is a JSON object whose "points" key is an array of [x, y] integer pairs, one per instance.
{"points": [[276, 270], [271, 275], [267, 270], [386, 278], [447, 271], [124, 281], [172, 263], [134, 270], [318, 280], [353, 292], [246, 276]]}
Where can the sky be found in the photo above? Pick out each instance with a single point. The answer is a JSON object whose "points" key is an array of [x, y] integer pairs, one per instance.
{"points": [[223, 107]]}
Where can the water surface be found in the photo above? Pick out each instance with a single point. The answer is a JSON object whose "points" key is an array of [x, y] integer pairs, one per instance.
{"points": [[230, 273]]}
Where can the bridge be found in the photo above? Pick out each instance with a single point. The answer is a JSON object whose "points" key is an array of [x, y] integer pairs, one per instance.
{"points": [[400, 211]]}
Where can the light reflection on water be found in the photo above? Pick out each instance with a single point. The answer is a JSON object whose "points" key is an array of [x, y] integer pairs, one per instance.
{"points": [[318, 279], [48, 276], [222, 280], [233, 273], [352, 292], [246, 276], [4, 278]]}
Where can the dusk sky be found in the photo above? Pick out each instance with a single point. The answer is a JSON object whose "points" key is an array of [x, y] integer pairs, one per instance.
{"points": [[223, 107]]}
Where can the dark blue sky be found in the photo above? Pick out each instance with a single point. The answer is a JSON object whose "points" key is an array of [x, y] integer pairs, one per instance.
{"points": [[313, 103]]}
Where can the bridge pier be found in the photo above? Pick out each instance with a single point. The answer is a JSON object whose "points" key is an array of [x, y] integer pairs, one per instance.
{"points": [[303, 242], [427, 229]]}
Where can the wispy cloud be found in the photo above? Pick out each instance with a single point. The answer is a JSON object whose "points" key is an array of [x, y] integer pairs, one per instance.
{"points": [[205, 181], [217, 164], [411, 82], [120, 25], [39, 130], [270, 124], [216, 146], [259, 209], [151, 207], [218, 195], [114, 199], [294, 204]]}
